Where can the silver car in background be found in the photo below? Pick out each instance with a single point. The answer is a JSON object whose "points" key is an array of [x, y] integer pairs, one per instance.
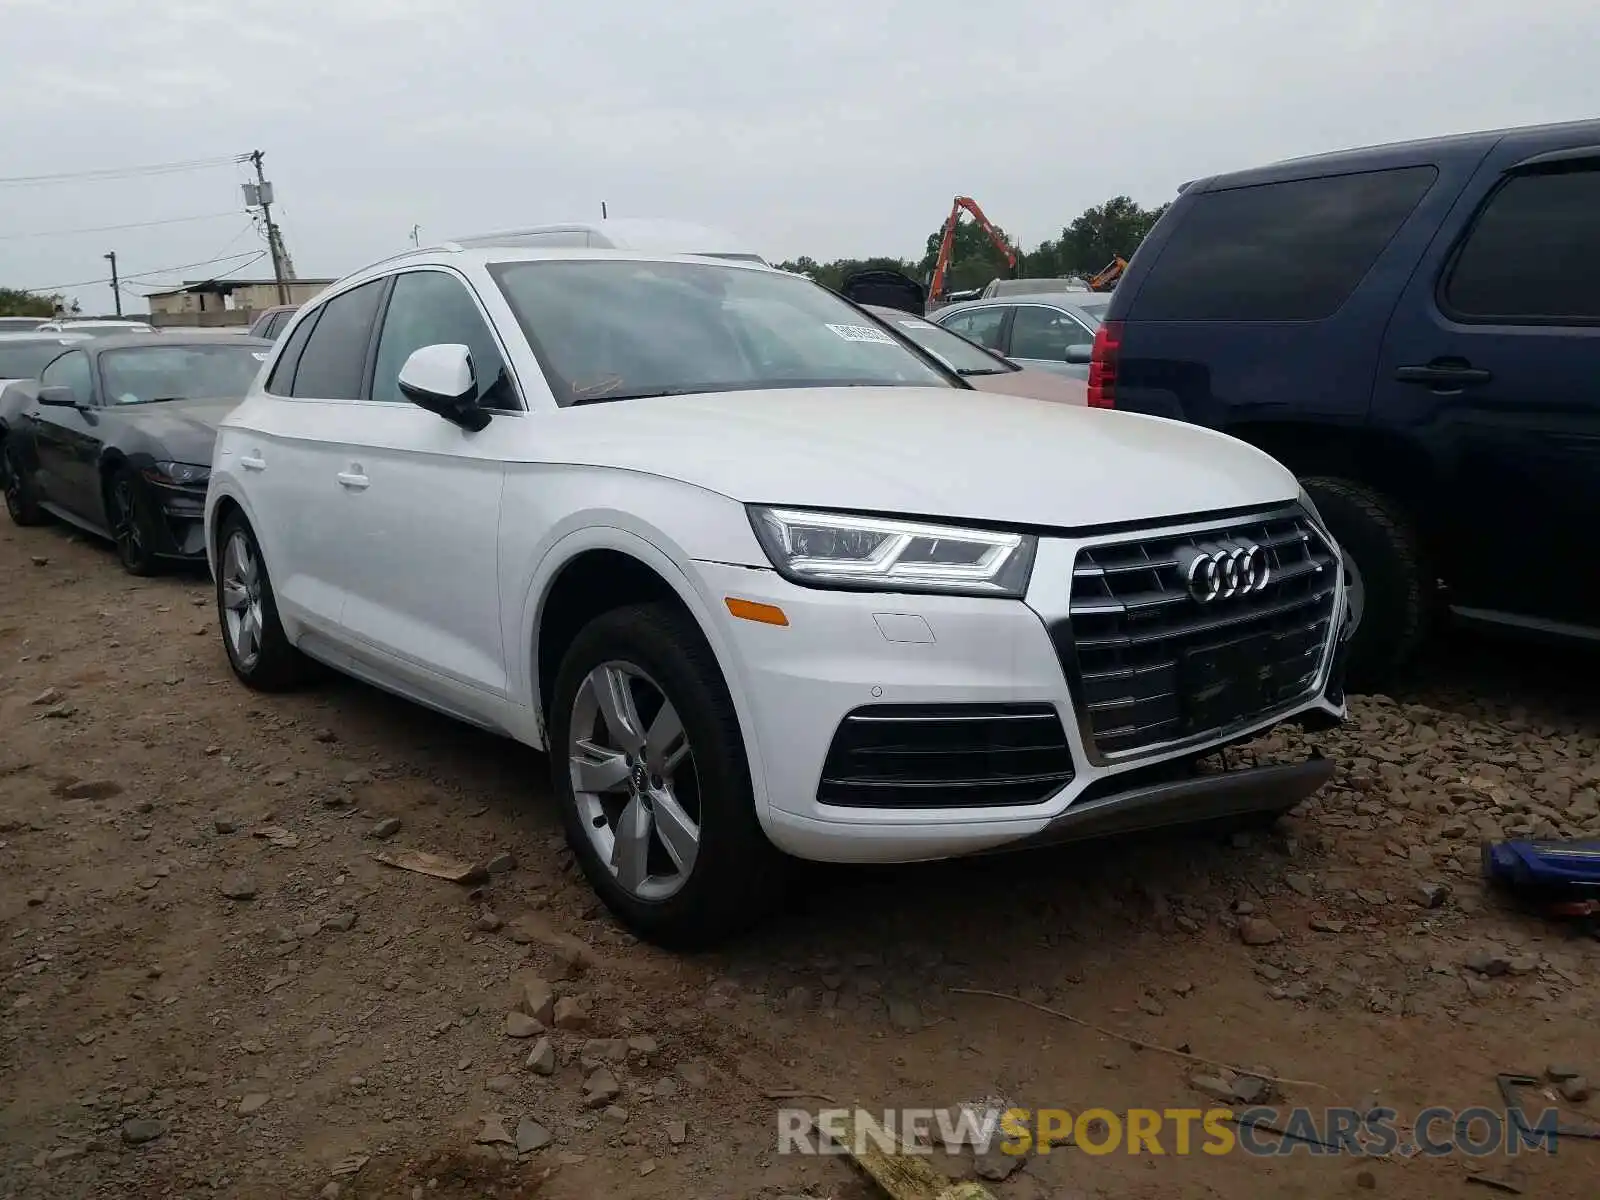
{"points": [[1047, 331]]}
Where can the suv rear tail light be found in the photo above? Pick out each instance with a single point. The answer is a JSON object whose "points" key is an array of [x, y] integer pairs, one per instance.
{"points": [[1103, 365]]}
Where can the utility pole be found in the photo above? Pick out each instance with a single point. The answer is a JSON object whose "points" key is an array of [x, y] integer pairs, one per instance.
{"points": [[602, 210], [260, 193], [116, 292]]}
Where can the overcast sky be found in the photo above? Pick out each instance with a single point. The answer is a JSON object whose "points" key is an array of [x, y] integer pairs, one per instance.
{"points": [[821, 127]]}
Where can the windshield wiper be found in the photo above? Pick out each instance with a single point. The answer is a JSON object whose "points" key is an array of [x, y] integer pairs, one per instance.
{"points": [[968, 371]]}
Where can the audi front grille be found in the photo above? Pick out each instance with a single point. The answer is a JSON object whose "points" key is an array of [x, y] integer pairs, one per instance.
{"points": [[946, 756], [1180, 636]]}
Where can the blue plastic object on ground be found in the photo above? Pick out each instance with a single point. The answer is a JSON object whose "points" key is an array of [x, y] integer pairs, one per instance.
{"points": [[1548, 872]]}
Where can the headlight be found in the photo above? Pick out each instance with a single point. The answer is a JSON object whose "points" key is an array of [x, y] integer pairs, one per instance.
{"points": [[182, 474], [881, 554]]}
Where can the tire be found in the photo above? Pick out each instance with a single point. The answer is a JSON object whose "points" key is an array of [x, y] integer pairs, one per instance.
{"points": [[22, 499], [1392, 578], [131, 523], [735, 875], [267, 661]]}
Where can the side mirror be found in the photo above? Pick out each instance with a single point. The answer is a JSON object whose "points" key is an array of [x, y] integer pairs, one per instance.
{"points": [[440, 379], [1080, 353], [58, 397]]}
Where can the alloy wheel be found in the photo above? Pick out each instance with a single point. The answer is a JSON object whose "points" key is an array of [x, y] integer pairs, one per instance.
{"points": [[1355, 586], [11, 479], [241, 599], [125, 529], [634, 780]]}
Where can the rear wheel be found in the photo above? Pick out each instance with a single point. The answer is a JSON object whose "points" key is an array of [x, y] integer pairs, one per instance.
{"points": [[128, 512], [1389, 577], [258, 649], [654, 786], [22, 498]]}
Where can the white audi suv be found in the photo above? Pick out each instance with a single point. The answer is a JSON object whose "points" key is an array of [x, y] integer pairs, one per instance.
{"points": [[763, 580]]}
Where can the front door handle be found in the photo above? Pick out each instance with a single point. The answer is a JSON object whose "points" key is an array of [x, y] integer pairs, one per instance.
{"points": [[253, 462], [1439, 374], [353, 480]]}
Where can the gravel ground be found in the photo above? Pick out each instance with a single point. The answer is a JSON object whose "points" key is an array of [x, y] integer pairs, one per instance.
{"points": [[212, 988]]}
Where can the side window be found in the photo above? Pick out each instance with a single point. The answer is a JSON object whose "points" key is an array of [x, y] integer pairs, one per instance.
{"points": [[275, 325], [71, 370], [1039, 332], [1290, 251], [281, 382], [428, 308], [334, 358], [1533, 254], [980, 325]]}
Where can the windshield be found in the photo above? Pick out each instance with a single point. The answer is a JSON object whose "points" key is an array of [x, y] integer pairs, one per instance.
{"points": [[141, 374], [24, 360], [962, 356], [622, 329]]}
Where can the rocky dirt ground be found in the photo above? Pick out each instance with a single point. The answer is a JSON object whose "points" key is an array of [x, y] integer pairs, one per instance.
{"points": [[212, 988]]}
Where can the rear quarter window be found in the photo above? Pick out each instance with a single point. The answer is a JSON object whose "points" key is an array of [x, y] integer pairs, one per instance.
{"points": [[1290, 251]]}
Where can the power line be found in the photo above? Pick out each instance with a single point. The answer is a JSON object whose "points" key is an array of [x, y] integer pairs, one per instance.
{"points": [[167, 168], [58, 287], [151, 290], [12, 237]]}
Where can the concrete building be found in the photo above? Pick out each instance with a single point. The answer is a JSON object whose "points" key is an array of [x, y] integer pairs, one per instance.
{"points": [[225, 302]]}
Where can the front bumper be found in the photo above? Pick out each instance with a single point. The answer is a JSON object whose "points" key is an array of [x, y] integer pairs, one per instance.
{"points": [[845, 653], [178, 517]]}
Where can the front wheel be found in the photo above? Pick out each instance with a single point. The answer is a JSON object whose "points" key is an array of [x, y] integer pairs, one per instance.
{"points": [[22, 498], [1389, 577], [128, 514], [654, 786]]}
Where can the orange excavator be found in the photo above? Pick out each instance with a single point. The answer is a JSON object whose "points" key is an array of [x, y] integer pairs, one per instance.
{"points": [[947, 243], [1106, 278]]}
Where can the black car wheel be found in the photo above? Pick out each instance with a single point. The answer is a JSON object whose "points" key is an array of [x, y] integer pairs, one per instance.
{"points": [[128, 512], [22, 499], [1389, 574]]}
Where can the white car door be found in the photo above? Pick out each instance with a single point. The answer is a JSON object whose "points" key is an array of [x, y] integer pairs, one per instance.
{"points": [[420, 505], [289, 458]]}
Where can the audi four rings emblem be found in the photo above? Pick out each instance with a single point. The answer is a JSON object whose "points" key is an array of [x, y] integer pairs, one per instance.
{"points": [[1231, 571]]}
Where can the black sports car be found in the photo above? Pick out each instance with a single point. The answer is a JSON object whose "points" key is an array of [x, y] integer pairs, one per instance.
{"points": [[117, 436]]}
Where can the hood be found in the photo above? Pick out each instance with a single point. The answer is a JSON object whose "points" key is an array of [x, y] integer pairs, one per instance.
{"points": [[933, 452], [180, 430], [1038, 385]]}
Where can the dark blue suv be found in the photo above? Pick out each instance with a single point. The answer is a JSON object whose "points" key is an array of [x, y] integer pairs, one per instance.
{"points": [[1414, 329]]}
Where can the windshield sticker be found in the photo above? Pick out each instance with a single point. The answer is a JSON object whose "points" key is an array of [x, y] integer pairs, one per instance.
{"points": [[862, 333], [259, 355]]}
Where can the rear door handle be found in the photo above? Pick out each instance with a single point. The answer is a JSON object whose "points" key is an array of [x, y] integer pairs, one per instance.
{"points": [[253, 462], [354, 480], [1440, 375]]}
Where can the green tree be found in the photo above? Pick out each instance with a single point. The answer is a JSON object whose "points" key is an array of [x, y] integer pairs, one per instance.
{"points": [[15, 303], [1104, 232]]}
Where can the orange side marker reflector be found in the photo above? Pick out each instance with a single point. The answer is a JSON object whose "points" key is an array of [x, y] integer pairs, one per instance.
{"points": [[749, 610]]}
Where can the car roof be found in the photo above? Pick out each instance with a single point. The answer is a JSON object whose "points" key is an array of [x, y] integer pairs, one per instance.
{"points": [[127, 341], [1077, 300], [49, 335], [1417, 150], [623, 233], [455, 254]]}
